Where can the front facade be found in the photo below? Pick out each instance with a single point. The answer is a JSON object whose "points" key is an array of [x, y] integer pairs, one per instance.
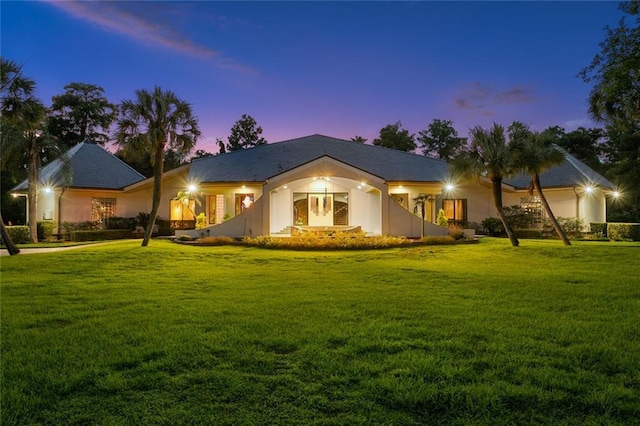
{"points": [[318, 182]]}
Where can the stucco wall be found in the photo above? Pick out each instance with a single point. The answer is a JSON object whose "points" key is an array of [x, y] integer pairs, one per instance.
{"points": [[404, 223], [248, 223]]}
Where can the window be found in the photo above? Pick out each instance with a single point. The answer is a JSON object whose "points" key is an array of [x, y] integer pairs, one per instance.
{"points": [[300, 209], [243, 202], [183, 211], [402, 199], [216, 208], [102, 208], [455, 210], [532, 207]]}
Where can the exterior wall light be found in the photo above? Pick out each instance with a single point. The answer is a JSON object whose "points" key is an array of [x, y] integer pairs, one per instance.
{"points": [[615, 194], [47, 190], [192, 188], [588, 189], [449, 187]]}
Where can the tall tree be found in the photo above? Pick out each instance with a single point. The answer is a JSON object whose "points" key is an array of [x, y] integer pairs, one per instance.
{"points": [[440, 140], [153, 123], [615, 73], [23, 118], [245, 133], [623, 154], [488, 155], [358, 139], [395, 137], [584, 144], [533, 154], [221, 148], [82, 112]]}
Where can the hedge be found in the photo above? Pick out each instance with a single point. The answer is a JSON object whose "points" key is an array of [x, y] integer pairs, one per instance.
{"points": [[624, 231], [101, 234], [45, 229], [599, 228], [18, 234]]}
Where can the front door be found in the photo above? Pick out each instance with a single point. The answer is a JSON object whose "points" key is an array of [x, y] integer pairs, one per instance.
{"points": [[320, 211]]}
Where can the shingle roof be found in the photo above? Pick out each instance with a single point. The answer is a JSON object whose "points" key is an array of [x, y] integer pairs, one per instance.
{"points": [[571, 172], [91, 166], [266, 161]]}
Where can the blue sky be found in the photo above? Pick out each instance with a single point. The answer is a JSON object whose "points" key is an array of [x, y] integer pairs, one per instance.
{"points": [[336, 68]]}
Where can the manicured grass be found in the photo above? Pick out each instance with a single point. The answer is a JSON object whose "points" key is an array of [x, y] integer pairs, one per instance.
{"points": [[172, 334]]}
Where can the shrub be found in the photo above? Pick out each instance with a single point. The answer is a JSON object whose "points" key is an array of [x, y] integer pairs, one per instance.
{"points": [[163, 227], [216, 241], [18, 234], [45, 229], [142, 219], [318, 241], [492, 226], [598, 229], [201, 221], [101, 234], [573, 226], [120, 223], [441, 219], [437, 241], [456, 233], [518, 217], [624, 231]]}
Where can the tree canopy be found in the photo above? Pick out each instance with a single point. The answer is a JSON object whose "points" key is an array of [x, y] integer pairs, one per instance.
{"points": [[533, 153], [245, 133], [488, 155], [154, 122], [615, 73], [82, 112], [395, 137], [22, 118], [440, 139]]}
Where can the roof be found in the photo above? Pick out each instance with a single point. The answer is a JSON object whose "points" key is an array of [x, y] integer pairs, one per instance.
{"points": [[262, 162], [91, 166], [571, 172]]}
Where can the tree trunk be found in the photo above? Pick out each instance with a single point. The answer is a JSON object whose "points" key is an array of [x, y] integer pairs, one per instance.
{"points": [[11, 247], [547, 209], [32, 193], [497, 199], [158, 168]]}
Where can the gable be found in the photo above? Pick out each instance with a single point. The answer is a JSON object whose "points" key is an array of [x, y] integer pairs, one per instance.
{"points": [[89, 166]]}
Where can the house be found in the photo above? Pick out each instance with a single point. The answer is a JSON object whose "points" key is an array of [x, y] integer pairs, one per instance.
{"points": [[313, 182]]}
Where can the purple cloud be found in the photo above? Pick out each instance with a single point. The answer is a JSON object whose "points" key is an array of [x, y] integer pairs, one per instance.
{"points": [[479, 96]]}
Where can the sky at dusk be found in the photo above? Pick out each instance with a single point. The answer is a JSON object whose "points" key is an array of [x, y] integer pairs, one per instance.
{"points": [[336, 68]]}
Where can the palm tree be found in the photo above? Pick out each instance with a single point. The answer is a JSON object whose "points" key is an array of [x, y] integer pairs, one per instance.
{"points": [[23, 118], [422, 202], [489, 156], [533, 154], [155, 122]]}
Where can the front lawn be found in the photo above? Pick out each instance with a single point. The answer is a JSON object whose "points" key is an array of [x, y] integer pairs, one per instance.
{"points": [[173, 334]]}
